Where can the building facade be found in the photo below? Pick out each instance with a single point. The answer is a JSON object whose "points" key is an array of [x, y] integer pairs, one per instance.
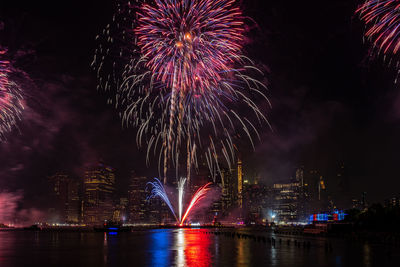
{"points": [[99, 190], [137, 204], [65, 199]]}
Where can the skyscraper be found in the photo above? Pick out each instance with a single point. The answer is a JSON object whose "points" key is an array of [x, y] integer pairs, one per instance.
{"points": [[137, 206], [228, 190], [59, 192], [240, 183], [99, 191], [65, 202], [72, 206], [300, 176], [286, 198]]}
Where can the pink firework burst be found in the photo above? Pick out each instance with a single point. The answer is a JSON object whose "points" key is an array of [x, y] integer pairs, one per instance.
{"points": [[190, 44], [10, 98], [382, 19]]}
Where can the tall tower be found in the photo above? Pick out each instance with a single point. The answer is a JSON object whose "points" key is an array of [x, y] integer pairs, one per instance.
{"points": [[137, 199], [99, 191], [240, 183], [300, 176], [65, 202]]}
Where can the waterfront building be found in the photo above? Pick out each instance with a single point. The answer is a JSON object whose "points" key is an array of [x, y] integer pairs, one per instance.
{"points": [[255, 201], [356, 204], [137, 204], [99, 190], [228, 190], [240, 183], [392, 202], [292, 200], [72, 205], [286, 201], [65, 199], [364, 203], [120, 211]]}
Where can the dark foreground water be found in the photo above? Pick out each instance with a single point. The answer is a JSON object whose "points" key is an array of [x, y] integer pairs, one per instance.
{"points": [[183, 247]]}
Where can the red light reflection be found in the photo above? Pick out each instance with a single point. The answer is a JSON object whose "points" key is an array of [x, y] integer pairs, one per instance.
{"points": [[197, 248]]}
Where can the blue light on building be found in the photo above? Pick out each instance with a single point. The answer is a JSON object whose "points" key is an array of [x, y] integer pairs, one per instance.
{"points": [[325, 217]]}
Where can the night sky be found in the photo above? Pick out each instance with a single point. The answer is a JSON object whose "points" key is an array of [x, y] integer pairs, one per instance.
{"points": [[334, 100]]}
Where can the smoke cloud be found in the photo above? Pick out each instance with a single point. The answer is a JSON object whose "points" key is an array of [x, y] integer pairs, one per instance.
{"points": [[12, 214]]}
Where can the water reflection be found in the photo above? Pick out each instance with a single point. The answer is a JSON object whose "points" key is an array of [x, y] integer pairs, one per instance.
{"points": [[180, 246], [197, 249], [6, 246], [243, 252], [191, 247], [183, 247], [160, 247], [367, 254]]}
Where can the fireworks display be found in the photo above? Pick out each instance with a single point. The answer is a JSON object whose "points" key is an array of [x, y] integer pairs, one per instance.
{"points": [[158, 190], [11, 105], [199, 195], [176, 71], [181, 193], [382, 19]]}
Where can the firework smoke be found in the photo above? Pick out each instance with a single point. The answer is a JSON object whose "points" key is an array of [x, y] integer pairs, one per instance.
{"points": [[11, 214]]}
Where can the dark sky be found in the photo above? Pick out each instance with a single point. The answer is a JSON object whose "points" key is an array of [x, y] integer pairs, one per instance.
{"points": [[332, 101]]}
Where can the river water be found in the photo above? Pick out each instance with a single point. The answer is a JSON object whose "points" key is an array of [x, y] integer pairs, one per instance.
{"points": [[184, 247]]}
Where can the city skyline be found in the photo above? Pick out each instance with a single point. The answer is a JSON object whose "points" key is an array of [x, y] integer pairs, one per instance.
{"points": [[351, 119], [93, 198], [199, 133]]}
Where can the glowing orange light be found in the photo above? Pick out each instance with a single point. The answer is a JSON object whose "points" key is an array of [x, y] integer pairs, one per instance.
{"points": [[188, 36], [179, 44]]}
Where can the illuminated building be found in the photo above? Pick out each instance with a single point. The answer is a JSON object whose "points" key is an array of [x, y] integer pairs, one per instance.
{"points": [[360, 204], [300, 176], [137, 205], [326, 217], [240, 183], [291, 201], [303, 207], [392, 202], [98, 194], [66, 201], [228, 190], [72, 206], [321, 186], [364, 203], [255, 201], [120, 211], [356, 204], [286, 198]]}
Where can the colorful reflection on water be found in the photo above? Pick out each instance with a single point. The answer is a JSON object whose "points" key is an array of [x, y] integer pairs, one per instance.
{"points": [[160, 247], [190, 247], [185, 247], [197, 250]]}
